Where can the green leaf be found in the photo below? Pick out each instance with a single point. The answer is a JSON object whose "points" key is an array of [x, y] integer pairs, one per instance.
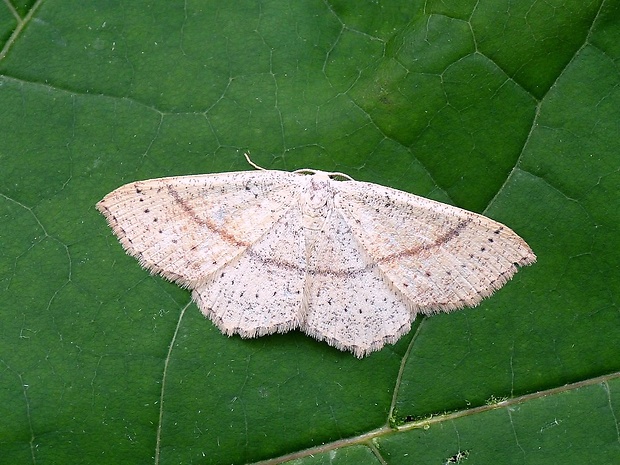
{"points": [[507, 108]]}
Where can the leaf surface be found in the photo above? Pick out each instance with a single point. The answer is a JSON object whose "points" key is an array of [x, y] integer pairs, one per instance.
{"points": [[509, 109]]}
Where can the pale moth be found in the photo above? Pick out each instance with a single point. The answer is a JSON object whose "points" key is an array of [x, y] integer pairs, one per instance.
{"points": [[347, 262]]}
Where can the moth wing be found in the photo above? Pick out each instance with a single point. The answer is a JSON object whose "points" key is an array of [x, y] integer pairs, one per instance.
{"points": [[186, 228], [438, 256]]}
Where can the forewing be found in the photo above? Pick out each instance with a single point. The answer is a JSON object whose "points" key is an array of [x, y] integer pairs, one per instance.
{"points": [[185, 228], [438, 256]]}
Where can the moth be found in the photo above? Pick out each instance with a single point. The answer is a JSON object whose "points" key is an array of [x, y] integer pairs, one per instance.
{"points": [[347, 262]]}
